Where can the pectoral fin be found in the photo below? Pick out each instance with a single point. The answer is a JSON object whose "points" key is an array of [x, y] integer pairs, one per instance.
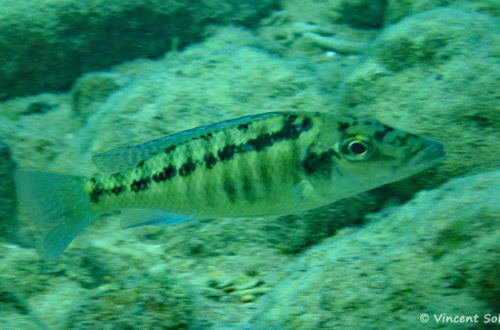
{"points": [[304, 190], [141, 217]]}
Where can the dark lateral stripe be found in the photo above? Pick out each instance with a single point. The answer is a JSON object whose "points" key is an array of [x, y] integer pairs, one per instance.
{"points": [[289, 131], [188, 167], [170, 149], [227, 152], [95, 194], [140, 185], [98, 191], [243, 127], [210, 161], [118, 190], [167, 173]]}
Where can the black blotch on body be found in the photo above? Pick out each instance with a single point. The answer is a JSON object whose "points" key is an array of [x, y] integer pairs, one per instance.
{"points": [[230, 189], [265, 177], [402, 140], [188, 167], [170, 149], [343, 126], [306, 124], [95, 194], [167, 173], [227, 152], [118, 190], [210, 161], [140, 185], [379, 135], [98, 191], [321, 163], [141, 164], [260, 142], [248, 190], [242, 127]]}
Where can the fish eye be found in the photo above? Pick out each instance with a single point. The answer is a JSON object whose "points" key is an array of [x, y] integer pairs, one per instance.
{"points": [[356, 149]]}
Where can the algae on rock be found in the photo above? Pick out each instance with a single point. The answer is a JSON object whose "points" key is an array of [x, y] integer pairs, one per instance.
{"points": [[399, 9], [388, 272], [152, 301], [7, 194], [47, 44]]}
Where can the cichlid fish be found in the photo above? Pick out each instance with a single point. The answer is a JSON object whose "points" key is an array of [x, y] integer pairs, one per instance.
{"points": [[267, 164]]}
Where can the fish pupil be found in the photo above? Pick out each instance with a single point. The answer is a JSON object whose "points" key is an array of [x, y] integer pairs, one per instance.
{"points": [[357, 148]]}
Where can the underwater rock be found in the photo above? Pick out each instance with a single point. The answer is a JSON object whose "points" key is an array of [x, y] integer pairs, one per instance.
{"points": [[321, 29], [37, 128], [358, 14], [397, 9], [361, 14], [439, 253], [297, 232], [7, 194], [435, 74], [152, 302], [89, 290], [90, 90], [14, 312], [47, 44]]}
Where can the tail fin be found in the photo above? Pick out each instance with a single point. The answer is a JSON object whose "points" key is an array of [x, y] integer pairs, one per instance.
{"points": [[59, 205]]}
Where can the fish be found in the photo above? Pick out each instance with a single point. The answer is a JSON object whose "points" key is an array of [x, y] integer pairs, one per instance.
{"points": [[268, 164]]}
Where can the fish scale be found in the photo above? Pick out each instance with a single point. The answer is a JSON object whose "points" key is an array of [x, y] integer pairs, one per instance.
{"points": [[267, 164]]}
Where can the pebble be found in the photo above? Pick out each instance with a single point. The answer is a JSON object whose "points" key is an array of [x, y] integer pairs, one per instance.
{"points": [[254, 291], [250, 284], [247, 298]]}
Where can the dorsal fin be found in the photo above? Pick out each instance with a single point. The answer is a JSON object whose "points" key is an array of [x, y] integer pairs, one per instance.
{"points": [[123, 158]]}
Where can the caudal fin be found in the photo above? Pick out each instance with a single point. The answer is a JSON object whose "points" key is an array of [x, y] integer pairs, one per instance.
{"points": [[59, 206]]}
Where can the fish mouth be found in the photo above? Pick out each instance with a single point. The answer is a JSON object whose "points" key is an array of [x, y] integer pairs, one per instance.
{"points": [[431, 154]]}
